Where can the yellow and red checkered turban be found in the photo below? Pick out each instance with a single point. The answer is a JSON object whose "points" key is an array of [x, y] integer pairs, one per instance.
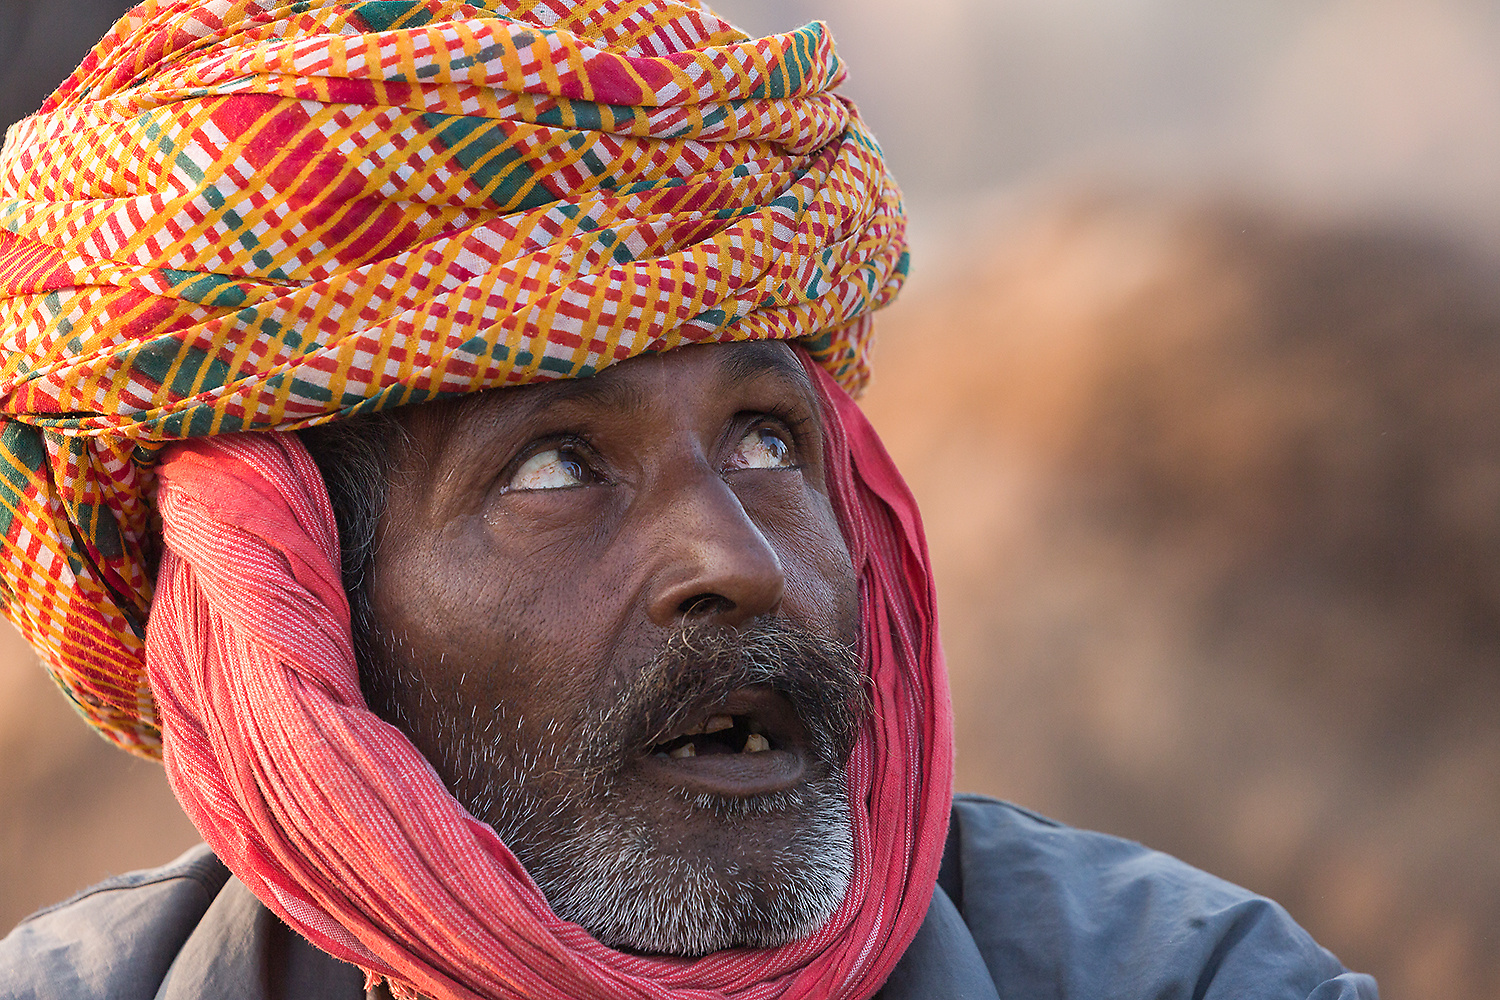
{"points": [[250, 214]]}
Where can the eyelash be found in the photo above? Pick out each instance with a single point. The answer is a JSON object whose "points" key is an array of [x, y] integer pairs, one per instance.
{"points": [[793, 422]]}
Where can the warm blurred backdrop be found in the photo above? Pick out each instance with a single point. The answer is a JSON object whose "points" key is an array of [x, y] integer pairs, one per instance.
{"points": [[1196, 382]]}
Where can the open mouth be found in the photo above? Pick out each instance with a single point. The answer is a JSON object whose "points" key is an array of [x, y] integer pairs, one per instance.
{"points": [[716, 734], [752, 743]]}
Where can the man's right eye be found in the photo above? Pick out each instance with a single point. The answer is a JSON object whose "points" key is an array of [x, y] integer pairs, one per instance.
{"points": [[552, 469]]}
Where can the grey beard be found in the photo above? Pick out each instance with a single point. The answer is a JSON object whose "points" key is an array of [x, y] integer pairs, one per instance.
{"points": [[601, 861], [602, 858], [606, 872]]}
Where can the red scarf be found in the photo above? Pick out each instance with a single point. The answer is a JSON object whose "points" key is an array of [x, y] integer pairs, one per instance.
{"points": [[338, 824]]}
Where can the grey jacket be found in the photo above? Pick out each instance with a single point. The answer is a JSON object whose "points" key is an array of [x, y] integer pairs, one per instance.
{"points": [[1025, 909]]}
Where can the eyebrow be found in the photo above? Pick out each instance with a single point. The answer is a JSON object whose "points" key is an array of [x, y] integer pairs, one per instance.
{"points": [[606, 393], [764, 357], [753, 360]]}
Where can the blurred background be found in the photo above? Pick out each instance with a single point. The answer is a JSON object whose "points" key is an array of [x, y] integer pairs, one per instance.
{"points": [[1195, 379]]}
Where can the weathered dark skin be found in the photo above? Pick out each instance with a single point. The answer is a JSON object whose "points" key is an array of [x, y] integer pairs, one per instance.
{"points": [[538, 602]]}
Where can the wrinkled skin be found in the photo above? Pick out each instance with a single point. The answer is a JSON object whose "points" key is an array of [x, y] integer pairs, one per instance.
{"points": [[571, 578]]}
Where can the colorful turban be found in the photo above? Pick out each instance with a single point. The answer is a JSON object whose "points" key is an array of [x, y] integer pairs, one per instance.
{"points": [[258, 215]]}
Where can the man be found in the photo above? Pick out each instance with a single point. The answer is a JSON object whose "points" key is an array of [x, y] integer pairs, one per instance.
{"points": [[611, 670]]}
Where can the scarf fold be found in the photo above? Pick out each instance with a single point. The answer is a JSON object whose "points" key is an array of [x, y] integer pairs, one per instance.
{"points": [[337, 822], [261, 215]]}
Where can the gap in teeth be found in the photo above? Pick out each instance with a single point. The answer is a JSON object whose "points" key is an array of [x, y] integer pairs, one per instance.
{"points": [[716, 734]]}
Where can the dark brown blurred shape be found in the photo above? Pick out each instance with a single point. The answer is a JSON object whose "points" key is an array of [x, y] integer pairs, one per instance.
{"points": [[1214, 499]]}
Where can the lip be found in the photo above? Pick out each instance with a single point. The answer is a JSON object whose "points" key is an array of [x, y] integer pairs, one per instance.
{"points": [[741, 775]]}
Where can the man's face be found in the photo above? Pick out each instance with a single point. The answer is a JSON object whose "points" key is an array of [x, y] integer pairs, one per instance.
{"points": [[618, 617]]}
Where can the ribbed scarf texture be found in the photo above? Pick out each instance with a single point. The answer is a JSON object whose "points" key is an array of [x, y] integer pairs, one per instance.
{"points": [[334, 819]]}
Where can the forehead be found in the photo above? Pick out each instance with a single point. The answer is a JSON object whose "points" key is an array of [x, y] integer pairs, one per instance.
{"points": [[667, 378], [649, 386]]}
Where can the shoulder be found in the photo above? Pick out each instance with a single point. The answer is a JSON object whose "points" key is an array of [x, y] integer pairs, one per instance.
{"points": [[116, 939], [185, 931], [1060, 911]]}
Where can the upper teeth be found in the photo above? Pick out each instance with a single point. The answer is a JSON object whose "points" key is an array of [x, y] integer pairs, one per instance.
{"points": [[754, 743], [716, 723]]}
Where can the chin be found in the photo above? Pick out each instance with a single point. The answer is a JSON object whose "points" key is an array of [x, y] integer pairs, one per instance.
{"points": [[688, 874], [705, 807]]}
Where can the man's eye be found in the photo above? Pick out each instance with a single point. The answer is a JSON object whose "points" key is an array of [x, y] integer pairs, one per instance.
{"points": [[552, 469], [762, 448]]}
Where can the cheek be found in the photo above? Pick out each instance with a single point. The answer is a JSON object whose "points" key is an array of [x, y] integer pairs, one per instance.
{"points": [[826, 585], [493, 619]]}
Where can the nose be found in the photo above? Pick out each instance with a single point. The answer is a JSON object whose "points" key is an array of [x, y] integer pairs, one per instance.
{"points": [[713, 564]]}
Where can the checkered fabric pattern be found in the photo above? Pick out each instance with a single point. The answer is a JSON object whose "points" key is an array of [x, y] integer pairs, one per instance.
{"points": [[247, 215]]}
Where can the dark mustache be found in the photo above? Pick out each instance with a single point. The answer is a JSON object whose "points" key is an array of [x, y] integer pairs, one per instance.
{"points": [[699, 666]]}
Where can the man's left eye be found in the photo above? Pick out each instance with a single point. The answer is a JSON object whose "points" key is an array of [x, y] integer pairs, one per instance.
{"points": [[762, 448]]}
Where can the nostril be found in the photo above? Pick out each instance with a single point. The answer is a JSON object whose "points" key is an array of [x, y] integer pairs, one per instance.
{"points": [[705, 605]]}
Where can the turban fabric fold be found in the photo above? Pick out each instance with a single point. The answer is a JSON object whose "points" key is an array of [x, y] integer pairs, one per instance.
{"points": [[338, 823], [252, 215], [259, 215]]}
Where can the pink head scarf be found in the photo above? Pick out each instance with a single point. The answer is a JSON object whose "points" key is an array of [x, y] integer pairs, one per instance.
{"points": [[340, 826]]}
